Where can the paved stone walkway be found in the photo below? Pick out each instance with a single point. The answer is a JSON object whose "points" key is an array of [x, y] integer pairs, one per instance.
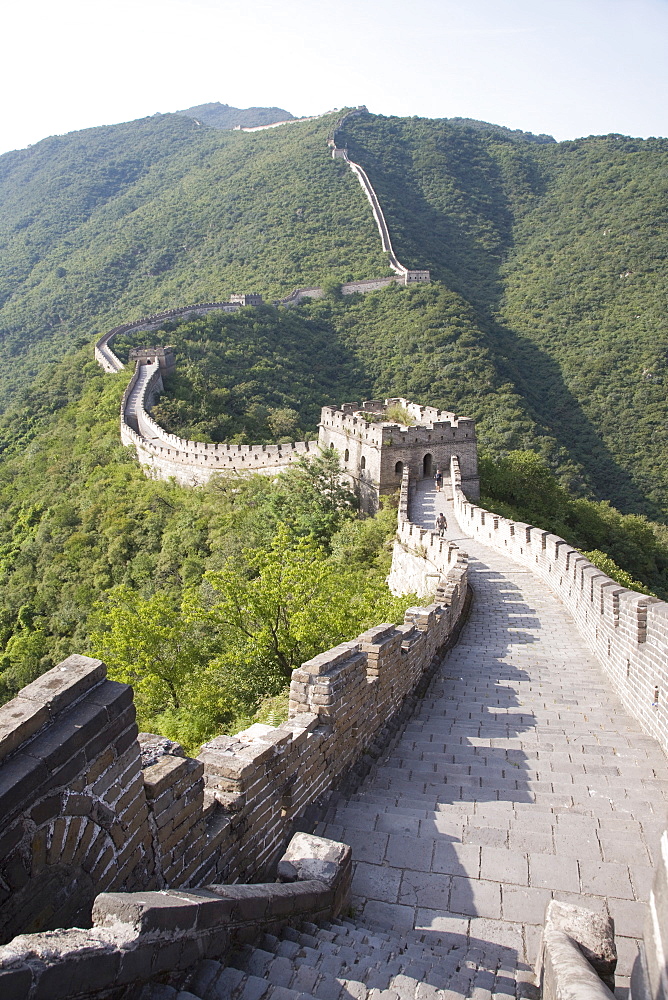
{"points": [[521, 778]]}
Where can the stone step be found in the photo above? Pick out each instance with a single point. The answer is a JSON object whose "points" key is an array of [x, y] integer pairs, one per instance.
{"points": [[409, 942], [325, 958], [346, 959], [214, 981], [157, 991]]}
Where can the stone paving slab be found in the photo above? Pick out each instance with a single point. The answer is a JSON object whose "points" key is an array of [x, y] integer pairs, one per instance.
{"points": [[521, 778]]}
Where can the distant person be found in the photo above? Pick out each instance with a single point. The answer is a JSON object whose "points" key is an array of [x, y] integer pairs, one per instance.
{"points": [[438, 480], [441, 524]]}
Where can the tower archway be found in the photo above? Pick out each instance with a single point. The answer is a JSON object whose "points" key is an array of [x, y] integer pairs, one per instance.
{"points": [[428, 465]]}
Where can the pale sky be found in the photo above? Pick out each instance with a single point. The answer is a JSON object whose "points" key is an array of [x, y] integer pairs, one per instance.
{"points": [[566, 67]]}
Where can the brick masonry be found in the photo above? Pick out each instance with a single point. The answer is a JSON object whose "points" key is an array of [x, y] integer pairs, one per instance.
{"points": [[137, 936], [627, 631], [81, 816]]}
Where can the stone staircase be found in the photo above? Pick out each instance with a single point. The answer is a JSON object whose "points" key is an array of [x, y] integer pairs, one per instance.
{"points": [[347, 960]]}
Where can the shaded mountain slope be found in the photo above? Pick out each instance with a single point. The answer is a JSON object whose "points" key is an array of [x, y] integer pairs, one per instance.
{"points": [[560, 248], [121, 221]]}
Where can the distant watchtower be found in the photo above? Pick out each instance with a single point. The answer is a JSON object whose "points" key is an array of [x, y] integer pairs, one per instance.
{"points": [[375, 445], [246, 298], [163, 355]]}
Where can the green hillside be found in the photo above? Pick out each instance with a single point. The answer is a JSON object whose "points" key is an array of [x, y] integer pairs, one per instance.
{"points": [[223, 116], [561, 249], [111, 223], [556, 251], [545, 322]]}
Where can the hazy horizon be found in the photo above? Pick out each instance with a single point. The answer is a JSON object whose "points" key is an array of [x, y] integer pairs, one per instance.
{"points": [[568, 68]]}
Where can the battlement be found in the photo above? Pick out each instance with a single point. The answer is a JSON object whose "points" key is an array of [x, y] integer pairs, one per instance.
{"points": [[246, 299], [628, 631], [375, 451], [83, 815], [104, 354], [354, 418], [164, 356]]}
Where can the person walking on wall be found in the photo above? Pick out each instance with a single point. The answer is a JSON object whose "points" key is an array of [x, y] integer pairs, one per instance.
{"points": [[438, 480], [441, 524]]}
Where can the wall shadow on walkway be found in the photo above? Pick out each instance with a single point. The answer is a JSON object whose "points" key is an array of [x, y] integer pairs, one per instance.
{"points": [[473, 708], [444, 792]]}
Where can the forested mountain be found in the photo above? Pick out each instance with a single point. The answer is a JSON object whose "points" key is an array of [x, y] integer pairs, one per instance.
{"points": [[555, 250], [560, 249], [545, 321], [223, 116], [119, 221]]}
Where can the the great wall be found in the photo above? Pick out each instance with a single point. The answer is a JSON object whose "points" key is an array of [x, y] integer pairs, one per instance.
{"points": [[500, 780]]}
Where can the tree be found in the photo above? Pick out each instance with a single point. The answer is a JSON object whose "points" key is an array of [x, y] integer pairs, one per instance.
{"points": [[283, 421], [293, 603], [24, 659], [281, 611], [159, 648], [311, 497]]}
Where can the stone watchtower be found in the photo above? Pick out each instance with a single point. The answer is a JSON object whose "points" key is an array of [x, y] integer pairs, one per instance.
{"points": [[163, 355], [378, 439]]}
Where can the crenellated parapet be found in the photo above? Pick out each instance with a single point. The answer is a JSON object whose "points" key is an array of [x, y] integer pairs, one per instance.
{"points": [[84, 814], [375, 451], [628, 631], [104, 354]]}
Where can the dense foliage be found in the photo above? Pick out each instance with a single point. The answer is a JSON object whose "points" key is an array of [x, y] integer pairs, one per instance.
{"points": [[111, 223], [415, 343], [257, 375], [628, 548], [79, 520], [556, 252], [235, 641]]}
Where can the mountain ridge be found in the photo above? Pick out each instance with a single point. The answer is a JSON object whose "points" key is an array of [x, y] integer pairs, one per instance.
{"points": [[544, 323], [225, 116], [115, 222]]}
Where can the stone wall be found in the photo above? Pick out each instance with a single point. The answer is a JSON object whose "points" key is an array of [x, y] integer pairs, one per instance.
{"points": [[137, 936], [104, 354], [627, 631], [75, 815], [192, 463], [82, 816], [420, 558], [375, 455], [649, 980], [405, 275]]}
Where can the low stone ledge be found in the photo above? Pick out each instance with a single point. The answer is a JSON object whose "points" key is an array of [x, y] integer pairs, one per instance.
{"points": [[136, 936], [578, 957], [45, 697]]}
